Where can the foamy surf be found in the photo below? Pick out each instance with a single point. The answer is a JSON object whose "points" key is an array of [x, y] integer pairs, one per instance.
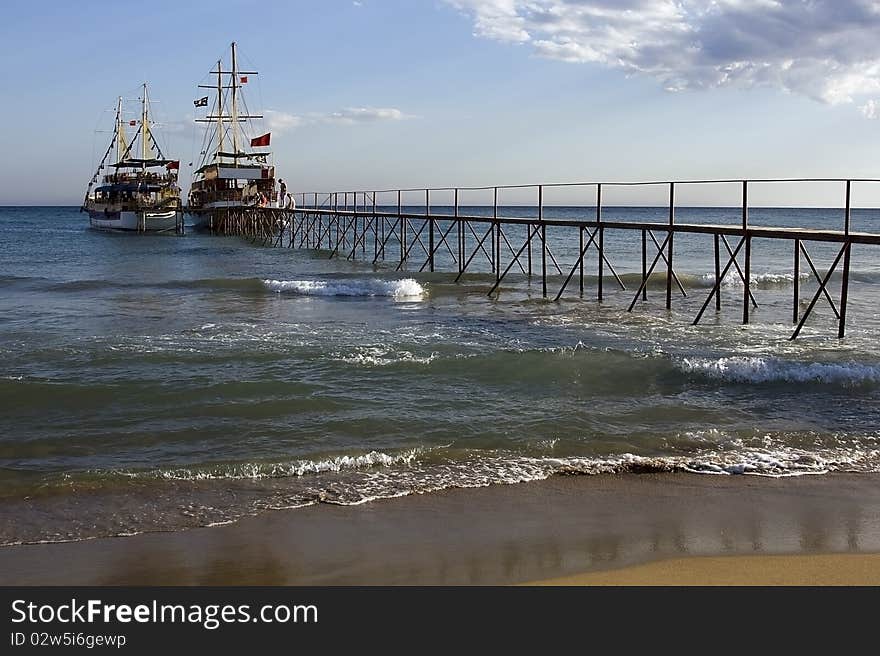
{"points": [[406, 288], [380, 356], [296, 468], [351, 480], [760, 280], [757, 369]]}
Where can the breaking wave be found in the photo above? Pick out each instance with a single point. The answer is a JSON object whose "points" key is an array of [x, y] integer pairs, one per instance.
{"points": [[376, 474], [759, 280], [397, 289], [296, 468], [770, 370], [221, 494]]}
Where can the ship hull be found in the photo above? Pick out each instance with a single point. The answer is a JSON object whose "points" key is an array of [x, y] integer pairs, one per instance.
{"points": [[130, 221], [199, 218]]}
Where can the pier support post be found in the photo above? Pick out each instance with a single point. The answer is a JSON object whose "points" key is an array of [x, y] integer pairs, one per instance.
{"points": [[581, 259], [460, 234], [430, 220], [402, 228], [844, 284], [376, 230], [747, 273], [717, 273], [497, 252], [601, 243], [844, 291], [669, 272], [796, 283], [497, 263], [543, 241], [544, 260]]}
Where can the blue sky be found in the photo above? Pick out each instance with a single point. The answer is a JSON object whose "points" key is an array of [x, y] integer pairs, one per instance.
{"points": [[392, 93]]}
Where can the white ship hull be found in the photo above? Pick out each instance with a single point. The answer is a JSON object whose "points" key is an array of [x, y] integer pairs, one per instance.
{"points": [[142, 221]]}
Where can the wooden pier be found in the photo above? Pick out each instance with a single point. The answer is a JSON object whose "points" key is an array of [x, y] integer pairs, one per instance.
{"points": [[378, 226]]}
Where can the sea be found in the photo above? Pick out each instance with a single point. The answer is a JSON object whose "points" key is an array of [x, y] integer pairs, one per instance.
{"points": [[164, 382]]}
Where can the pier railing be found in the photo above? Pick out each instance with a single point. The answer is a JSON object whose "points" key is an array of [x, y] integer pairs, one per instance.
{"points": [[347, 222]]}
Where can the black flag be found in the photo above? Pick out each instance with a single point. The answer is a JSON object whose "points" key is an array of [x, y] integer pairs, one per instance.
{"points": [[201, 102]]}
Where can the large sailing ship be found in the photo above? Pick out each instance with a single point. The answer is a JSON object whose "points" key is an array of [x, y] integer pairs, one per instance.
{"points": [[235, 169], [141, 193]]}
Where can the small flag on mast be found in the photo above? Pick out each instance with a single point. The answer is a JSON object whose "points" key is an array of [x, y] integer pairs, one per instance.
{"points": [[132, 122], [262, 140], [244, 79], [173, 165], [201, 102]]}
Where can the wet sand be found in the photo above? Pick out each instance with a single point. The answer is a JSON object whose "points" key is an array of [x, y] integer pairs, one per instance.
{"points": [[581, 526], [822, 569]]}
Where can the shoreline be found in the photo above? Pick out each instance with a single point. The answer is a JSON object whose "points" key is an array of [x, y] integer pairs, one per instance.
{"points": [[563, 530]]}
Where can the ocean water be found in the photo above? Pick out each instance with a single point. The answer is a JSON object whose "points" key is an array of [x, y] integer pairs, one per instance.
{"points": [[163, 382]]}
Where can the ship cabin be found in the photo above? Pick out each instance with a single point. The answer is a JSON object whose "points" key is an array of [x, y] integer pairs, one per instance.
{"points": [[226, 184], [138, 188]]}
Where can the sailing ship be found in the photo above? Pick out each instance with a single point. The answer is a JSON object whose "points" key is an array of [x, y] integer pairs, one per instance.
{"points": [[235, 169], [141, 193]]}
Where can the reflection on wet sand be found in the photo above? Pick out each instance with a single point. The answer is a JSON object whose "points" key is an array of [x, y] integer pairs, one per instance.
{"points": [[496, 535]]}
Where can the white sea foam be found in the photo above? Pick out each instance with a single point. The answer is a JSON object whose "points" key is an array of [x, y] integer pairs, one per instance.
{"points": [[283, 469], [374, 476], [767, 370], [406, 288], [380, 356], [732, 279]]}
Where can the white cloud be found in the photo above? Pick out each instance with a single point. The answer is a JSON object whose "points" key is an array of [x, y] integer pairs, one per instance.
{"points": [[280, 122], [351, 115], [827, 50], [870, 109]]}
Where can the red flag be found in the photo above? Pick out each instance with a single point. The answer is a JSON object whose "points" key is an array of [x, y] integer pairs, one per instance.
{"points": [[261, 140], [132, 122], [244, 79], [173, 165]]}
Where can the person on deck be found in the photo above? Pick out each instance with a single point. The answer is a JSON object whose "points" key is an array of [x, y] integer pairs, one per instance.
{"points": [[283, 193]]}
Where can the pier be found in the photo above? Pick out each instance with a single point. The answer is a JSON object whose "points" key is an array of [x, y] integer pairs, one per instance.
{"points": [[378, 226]]}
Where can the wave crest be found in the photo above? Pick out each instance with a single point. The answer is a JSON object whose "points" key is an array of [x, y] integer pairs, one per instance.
{"points": [[282, 469], [397, 289], [755, 369]]}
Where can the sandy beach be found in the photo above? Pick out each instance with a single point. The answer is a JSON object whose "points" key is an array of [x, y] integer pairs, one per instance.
{"points": [[819, 569], [642, 529]]}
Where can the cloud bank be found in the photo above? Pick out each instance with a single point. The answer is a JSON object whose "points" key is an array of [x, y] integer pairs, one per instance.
{"points": [[827, 50]]}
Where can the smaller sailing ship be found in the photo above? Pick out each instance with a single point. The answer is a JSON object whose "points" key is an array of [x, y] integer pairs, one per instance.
{"points": [[235, 170], [141, 193]]}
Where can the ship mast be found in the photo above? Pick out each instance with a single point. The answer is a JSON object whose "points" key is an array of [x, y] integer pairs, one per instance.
{"points": [[219, 108], [121, 146], [144, 129], [234, 106], [235, 118]]}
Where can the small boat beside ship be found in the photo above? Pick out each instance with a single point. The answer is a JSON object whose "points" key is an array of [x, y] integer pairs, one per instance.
{"points": [[140, 193], [235, 169]]}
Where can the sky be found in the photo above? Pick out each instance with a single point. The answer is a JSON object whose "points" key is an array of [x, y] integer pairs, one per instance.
{"points": [[387, 94]]}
